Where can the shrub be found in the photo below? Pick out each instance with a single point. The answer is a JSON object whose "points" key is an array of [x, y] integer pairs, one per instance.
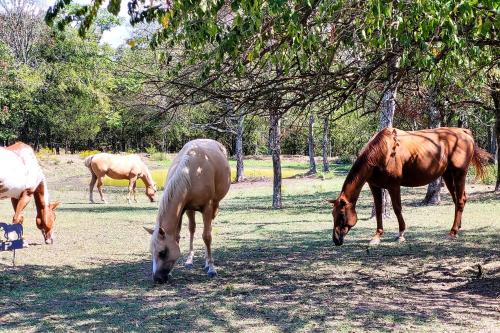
{"points": [[86, 153]]}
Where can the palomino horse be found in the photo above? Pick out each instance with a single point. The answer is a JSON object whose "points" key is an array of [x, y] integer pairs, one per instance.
{"points": [[21, 178], [129, 167], [197, 181], [395, 158]]}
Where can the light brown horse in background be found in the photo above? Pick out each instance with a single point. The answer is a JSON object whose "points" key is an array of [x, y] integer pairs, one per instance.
{"points": [[129, 167], [21, 178], [395, 158], [197, 180]]}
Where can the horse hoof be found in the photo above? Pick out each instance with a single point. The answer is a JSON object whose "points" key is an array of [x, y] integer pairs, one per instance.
{"points": [[374, 242], [188, 266], [400, 239], [212, 274], [451, 237]]}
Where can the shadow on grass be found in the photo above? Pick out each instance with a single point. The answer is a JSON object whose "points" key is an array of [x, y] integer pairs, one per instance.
{"points": [[288, 281], [100, 208]]}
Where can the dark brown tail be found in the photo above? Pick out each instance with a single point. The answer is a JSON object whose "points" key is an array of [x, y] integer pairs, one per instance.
{"points": [[480, 161]]}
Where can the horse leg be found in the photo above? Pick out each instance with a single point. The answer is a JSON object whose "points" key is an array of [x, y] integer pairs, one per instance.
{"points": [[450, 185], [377, 198], [131, 185], [192, 228], [395, 194], [208, 214], [14, 205], [91, 188], [461, 199], [22, 202], [99, 188], [134, 190]]}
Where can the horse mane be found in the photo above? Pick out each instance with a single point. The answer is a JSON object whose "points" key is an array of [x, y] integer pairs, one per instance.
{"points": [[370, 154], [177, 181]]}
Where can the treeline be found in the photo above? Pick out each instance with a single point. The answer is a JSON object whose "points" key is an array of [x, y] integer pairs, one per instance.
{"points": [[263, 77]]}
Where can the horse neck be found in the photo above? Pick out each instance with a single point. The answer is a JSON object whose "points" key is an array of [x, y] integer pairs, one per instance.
{"points": [[355, 180], [170, 213], [146, 177], [41, 197]]}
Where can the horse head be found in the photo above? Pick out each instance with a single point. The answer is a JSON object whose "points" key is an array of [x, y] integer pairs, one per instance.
{"points": [[344, 218], [165, 252], [45, 220], [151, 192]]}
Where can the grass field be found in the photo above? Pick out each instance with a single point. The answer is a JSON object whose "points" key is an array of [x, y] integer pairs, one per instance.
{"points": [[278, 270]]}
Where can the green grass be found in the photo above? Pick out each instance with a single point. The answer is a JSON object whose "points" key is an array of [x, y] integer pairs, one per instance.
{"points": [[278, 270], [254, 169]]}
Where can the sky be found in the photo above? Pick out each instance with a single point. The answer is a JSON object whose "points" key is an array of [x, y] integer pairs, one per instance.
{"points": [[116, 36]]}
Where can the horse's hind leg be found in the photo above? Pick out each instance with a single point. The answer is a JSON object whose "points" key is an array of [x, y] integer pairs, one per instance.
{"points": [[377, 199], [207, 238], [461, 198], [91, 187], [99, 188], [192, 228], [395, 194]]}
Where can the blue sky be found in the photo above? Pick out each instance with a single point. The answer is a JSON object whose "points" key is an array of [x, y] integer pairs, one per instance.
{"points": [[114, 37]]}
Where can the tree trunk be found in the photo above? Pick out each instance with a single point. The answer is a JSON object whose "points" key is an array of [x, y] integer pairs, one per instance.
{"points": [[386, 120], [433, 196], [326, 132], [239, 150], [312, 162], [275, 146], [495, 94]]}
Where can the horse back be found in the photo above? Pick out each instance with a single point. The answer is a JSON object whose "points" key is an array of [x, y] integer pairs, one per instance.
{"points": [[116, 166], [19, 170], [203, 163]]}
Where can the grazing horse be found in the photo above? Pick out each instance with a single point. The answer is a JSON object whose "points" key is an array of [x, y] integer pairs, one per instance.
{"points": [[395, 158], [129, 167], [197, 181], [21, 178]]}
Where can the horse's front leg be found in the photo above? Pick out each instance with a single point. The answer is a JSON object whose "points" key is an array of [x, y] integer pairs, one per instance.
{"points": [[134, 189], [19, 206], [208, 214], [192, 228], [395, 194], [131, 185], [377, 199]]}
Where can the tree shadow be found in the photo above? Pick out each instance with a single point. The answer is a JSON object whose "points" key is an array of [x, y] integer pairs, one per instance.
{"points": [[287, 281]]}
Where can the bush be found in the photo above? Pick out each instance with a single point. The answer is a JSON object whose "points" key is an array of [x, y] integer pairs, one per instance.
{"points": [[86, 153]]}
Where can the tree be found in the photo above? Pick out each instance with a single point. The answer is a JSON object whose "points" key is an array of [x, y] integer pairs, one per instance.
{"points": [[433, 196]]}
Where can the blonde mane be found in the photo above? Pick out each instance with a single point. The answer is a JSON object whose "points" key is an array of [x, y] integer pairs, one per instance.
{"points": [[179, 180]]}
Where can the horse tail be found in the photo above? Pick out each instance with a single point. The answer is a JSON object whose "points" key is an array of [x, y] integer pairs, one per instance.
{"points": [[480, 160], [88, 162]]}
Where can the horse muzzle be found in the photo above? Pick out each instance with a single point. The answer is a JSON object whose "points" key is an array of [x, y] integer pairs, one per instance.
{"points": [[161, 276], [338, 238]]}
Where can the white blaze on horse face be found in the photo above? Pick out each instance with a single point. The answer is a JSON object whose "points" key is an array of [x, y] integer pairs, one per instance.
{"points": [[155, 267]]}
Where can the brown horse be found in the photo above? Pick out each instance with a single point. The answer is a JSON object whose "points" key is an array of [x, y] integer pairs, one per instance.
{"points": [[21, 178], [129, 167], [197, 181], [395, 158]]}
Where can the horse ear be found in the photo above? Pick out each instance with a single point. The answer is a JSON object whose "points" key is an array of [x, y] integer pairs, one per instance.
{"points": [[331, 201], [54, 205], [149, 230]]}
